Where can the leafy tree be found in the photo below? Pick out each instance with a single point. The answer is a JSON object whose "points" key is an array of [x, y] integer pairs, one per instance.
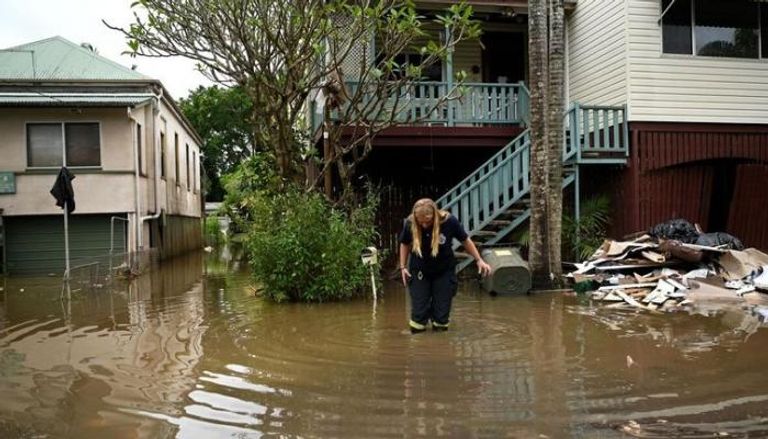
{"points": [[283, 53], [254, 175], [222, 118]]}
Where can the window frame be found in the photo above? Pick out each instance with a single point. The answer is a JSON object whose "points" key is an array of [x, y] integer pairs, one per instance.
{"points": [[186, 166], [62, 125], [194, 171], [163, 156], [693, 53], [177, 159], [140, 133]]}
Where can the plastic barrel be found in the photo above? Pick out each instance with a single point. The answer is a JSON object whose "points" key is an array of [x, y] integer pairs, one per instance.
{"points": [[510, 273]]}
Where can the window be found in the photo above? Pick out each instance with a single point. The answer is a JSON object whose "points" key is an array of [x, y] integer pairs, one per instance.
{"points": [[188, 163], [194, 171], [63, 144], [176, 157], [676, 29], [718, 28], [139, 148], [163, 161], [764, 30]]}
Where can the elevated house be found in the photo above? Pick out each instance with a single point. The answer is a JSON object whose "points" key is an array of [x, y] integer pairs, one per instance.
{"points": [[666, 113], [135, 158], [693, 76]]}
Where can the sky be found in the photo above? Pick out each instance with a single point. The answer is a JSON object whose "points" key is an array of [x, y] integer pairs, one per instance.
{"points": [[25, 21]]}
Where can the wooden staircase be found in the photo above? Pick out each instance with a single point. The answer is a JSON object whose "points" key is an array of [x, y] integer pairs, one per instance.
{"points": [[495, 199]]}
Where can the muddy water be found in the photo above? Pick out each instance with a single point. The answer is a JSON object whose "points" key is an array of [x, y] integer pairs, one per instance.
{"points": [[189, 352]]}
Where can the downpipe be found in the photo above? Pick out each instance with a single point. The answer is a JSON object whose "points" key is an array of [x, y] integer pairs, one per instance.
{"points": [[157, 155]]}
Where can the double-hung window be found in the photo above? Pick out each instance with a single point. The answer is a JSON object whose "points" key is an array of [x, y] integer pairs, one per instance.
{"points": [[51, 145], [717, 28]]}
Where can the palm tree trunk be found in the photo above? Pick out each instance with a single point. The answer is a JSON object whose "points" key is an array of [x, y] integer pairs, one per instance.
{"points": [[538, 77], [555, 108]]}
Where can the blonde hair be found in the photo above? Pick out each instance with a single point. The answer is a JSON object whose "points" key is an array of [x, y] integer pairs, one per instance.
{"points": [[426, 207]]}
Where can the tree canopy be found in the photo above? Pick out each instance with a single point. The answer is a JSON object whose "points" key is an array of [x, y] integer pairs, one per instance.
{"points": [[222, 117], [284, 54]]}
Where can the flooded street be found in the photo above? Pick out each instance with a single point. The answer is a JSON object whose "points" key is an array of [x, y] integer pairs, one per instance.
{"points": [[188, 351]]}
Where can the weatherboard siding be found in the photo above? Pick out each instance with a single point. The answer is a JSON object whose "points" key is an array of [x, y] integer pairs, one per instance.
{"points": [[682, 88], [597, 53]]}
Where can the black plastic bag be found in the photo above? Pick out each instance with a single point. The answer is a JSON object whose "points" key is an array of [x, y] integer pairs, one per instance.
{"points": [[719, 238], [677, 229]]}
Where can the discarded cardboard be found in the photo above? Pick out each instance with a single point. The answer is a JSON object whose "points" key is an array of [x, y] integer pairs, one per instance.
{"points": [[704, 291], [739, 264], [658, 274]]}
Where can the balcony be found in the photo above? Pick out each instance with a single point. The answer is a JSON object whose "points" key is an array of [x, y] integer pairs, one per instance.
{"points": [[432, 103]]}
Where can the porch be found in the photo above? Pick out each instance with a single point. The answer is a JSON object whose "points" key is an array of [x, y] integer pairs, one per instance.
{"points": [[432, 103]]}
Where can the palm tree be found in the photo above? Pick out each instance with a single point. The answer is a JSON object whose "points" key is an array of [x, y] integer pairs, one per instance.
{"points": [[546, 45], [555, 108]]}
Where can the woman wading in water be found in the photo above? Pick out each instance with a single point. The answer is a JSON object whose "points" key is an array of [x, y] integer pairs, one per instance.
{"points": [[430, 275]]}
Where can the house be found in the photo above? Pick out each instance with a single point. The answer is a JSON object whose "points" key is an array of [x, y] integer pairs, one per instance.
{"points": [[666, 113], [135, 158], [693, 75]]}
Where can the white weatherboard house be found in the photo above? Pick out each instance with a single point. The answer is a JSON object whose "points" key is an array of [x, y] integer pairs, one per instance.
{"points": [[135, 158]]}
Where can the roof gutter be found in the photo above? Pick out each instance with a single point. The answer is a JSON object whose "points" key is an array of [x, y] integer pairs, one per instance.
{"points": [[155, 84]]}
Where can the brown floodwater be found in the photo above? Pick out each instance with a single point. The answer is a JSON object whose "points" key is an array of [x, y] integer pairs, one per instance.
{"points": [[188, 351]]}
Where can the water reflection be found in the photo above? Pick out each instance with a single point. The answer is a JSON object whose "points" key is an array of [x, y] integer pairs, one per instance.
{"points": [[188, 351], [135, 345]]}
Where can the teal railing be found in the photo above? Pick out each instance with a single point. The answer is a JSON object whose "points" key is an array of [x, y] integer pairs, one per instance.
{"points": [[596, 130], [467, 104], [493, 188], [504, 179]]}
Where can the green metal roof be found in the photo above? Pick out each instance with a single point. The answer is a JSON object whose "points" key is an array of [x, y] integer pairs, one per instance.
{"points": [[58, 59], [69, 99]]}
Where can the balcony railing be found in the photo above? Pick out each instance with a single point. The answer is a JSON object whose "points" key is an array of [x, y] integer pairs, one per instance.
{"points": [[441, 103]]}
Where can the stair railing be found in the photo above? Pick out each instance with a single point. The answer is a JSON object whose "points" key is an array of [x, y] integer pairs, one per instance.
{"points": [[485, 168], [494, 191], [504, 179], [597, 129]]}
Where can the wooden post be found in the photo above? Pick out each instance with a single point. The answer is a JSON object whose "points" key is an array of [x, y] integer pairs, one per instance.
{"points": [[327, 178]]}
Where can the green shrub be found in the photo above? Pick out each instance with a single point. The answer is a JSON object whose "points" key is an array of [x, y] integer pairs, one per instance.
{"points": [[587, 234], [256, 175], [581, 238], [212, 230], [303, 249]]}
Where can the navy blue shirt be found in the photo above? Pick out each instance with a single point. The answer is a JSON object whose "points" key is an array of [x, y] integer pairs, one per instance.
{"points": [[445, 260]]}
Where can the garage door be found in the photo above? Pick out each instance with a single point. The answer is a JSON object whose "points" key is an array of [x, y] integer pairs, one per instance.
{"points": [[35, 244]]}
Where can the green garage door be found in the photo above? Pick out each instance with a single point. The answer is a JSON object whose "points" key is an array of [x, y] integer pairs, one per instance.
{"points": [[35, 244]]}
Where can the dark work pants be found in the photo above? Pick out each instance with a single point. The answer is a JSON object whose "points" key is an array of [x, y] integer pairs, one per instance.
{"points": [[431, 298]]}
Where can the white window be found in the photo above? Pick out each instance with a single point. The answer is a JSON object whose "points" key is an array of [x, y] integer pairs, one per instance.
{"points": [[63, 144], [720, 28]]}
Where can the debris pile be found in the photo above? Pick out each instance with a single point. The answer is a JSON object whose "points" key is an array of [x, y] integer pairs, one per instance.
{"points": [[674, 265]]}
